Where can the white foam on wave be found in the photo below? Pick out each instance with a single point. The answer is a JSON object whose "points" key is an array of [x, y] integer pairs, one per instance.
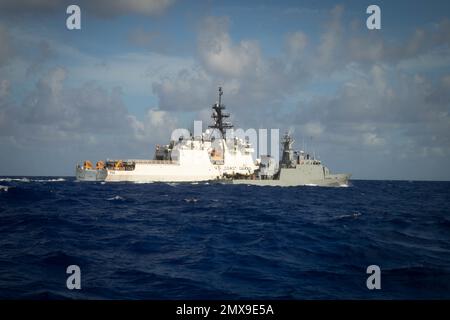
{"points": [[49, 180], [191, 200], [15, 179], [31, 180], [115, 198], [311, 185], [4, 188], [344, 185], [352, 215]]}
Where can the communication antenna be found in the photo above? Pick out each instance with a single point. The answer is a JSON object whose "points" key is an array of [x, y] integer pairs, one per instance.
{"points": [[219, 116]]}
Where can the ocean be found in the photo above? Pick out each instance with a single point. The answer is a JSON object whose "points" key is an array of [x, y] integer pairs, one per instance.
{"points": [[222, 241]]}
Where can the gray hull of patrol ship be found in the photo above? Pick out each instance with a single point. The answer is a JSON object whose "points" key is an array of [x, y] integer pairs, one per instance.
{"points": [[296, 168]]}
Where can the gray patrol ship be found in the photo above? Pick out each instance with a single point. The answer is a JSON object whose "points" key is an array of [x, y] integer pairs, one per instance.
{"points": [[296, 168]]}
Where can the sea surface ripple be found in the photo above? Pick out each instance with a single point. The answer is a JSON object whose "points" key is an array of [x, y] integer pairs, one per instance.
{"points": [[222, 241]]}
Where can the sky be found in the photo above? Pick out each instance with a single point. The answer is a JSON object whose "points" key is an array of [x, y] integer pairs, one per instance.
{"points": [[374, 103]]}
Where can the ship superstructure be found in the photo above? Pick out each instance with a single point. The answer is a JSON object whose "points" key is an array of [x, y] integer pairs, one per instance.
{"points": [[233, 155], [188, 159]]}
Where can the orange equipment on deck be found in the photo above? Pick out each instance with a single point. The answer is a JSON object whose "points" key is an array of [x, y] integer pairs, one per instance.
{"points": [[119, 165], [87, 164], [100, 165], [216, 155]]}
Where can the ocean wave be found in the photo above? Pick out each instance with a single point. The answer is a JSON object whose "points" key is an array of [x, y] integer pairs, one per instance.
{"points": [[172, 184], [4, 188], [15, 180], [224, 241], [49, 180], [353, 215], [116, 198], [27, 180]]}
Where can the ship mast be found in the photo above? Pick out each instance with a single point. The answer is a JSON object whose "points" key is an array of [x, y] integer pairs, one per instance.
{"points": [[219, 116], [287, 160]]}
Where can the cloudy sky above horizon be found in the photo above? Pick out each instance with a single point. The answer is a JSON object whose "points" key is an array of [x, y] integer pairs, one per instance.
{"points": [[371, 102]]}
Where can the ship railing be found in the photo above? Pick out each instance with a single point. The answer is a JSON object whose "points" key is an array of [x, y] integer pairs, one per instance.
{"points": [[155, 161]]}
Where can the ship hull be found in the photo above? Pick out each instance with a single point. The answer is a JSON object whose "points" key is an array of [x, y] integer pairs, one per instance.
{"points": [[146, 173], [82, 174], [333, 180]]}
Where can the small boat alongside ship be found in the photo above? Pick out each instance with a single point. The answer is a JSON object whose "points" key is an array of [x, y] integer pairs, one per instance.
{"points": [[213, 156]]}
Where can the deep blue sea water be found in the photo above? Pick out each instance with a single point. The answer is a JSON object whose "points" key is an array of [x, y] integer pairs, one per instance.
{"points": [[216, 241]]}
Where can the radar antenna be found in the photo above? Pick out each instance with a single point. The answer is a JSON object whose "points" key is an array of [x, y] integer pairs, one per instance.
{"points": [[219, 116], [287, 160]]}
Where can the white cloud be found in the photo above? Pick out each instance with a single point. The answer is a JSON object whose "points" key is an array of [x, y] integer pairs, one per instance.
{"points": [[221, 55], [103, 8], [189, 89], [6, 49], [120, 7], [296, 43], [27, 5], [4, 88], [361, 92], [142, 38], [330, 40], [372, 139], [134, 71], [313, 129], [156, 126]]}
